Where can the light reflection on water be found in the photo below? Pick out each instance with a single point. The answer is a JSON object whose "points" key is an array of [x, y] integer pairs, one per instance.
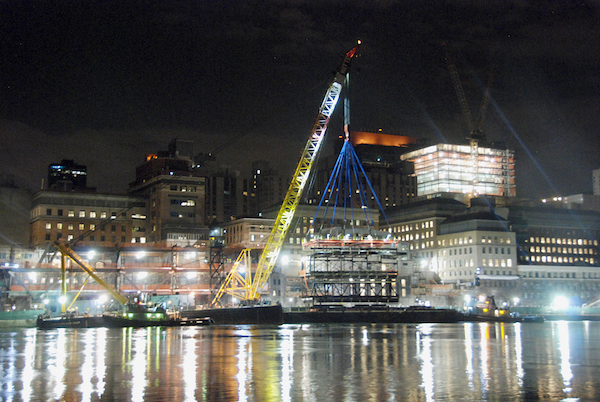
{"points": [[426, 362]]}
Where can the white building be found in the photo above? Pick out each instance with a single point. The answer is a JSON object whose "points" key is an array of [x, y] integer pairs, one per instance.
{"points": [[473, 244]]}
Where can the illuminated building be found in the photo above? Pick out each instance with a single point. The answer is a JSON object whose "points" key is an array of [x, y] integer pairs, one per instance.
{"points": [[464, 170], [247, 232], [550, 236], [418, 224], [174, 192], [86, 218], [67, 176], [473, 244]]}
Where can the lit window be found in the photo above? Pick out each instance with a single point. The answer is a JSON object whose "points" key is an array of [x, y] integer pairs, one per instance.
{"points": [[81, 226], [82, 214], [92, 214], [48, 226], [59, 225], [71, 213]]}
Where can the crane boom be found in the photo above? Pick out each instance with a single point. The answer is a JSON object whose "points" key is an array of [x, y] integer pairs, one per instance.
{"points": [[68, 251], [460, 93], [275, 241]]}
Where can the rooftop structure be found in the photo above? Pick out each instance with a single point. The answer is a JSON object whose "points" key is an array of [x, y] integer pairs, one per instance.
{"points": [[67, 176]]}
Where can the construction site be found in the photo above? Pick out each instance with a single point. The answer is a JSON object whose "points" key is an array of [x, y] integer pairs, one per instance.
{"points": [[350, 256]]}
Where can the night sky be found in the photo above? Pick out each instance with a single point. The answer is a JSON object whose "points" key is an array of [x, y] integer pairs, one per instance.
{"points": [[105, 82]]}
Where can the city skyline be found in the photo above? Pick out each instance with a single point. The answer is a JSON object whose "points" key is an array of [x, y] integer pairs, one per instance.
{"points": [[104, 84]]}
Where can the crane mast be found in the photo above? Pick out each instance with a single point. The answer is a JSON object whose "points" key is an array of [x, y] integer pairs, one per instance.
{"points": [[284, 218]]}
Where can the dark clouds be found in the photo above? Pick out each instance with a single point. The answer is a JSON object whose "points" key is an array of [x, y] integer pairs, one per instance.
{"points": [[104, 82]]}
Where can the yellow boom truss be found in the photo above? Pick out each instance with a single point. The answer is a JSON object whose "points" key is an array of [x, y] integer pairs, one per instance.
{"points": [[284, 218]]}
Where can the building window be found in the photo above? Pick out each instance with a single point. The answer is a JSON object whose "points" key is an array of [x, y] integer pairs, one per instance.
{"points": [[92, 214], [103, 214], [47, 236], [49, 211], [70, 226], [71, 213], [82, 214], [48, 226], [60, 212], [81, 226], [59, 225], [92, 226]]}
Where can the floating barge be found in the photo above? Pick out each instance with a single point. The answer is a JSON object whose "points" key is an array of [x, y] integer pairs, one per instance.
{"points": [[121, 320], [69, 321], [261, 315], [379, 315]]}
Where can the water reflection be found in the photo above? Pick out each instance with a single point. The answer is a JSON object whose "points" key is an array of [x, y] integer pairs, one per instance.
{"points": [[243, 364], [565, 366], [138, 366], [57, 363], [189, 365], [485, 361], [519, 355], [468, 331], [424, 350]]}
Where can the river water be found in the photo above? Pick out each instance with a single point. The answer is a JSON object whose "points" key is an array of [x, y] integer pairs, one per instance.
{"points": [[332, 362]]}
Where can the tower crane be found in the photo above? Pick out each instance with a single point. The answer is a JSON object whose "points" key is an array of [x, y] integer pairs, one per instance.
{"points": [[475, 132], [284, 218], [474, 126]]}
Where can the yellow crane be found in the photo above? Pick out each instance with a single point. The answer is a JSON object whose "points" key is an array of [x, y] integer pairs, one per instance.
{"points": [[67, 251], [249, 289]]}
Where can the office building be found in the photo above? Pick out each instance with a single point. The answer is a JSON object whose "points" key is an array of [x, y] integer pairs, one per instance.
{"points": [[463, 171]]}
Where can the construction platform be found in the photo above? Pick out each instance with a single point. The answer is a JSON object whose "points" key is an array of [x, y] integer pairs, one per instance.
{"points": [[363, 270]]}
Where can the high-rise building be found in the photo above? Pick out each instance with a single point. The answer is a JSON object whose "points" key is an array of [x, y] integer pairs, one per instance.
{"points": [[67, 176], [269, 187], [228, 194], [175, 193], [463, 171]]}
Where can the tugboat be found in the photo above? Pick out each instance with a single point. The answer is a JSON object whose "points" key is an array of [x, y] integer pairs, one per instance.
{"points": [[138, 315]]}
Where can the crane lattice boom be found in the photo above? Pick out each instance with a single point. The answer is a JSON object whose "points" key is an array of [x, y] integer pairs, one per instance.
{"points": [[284, 218], [273, 246]]}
